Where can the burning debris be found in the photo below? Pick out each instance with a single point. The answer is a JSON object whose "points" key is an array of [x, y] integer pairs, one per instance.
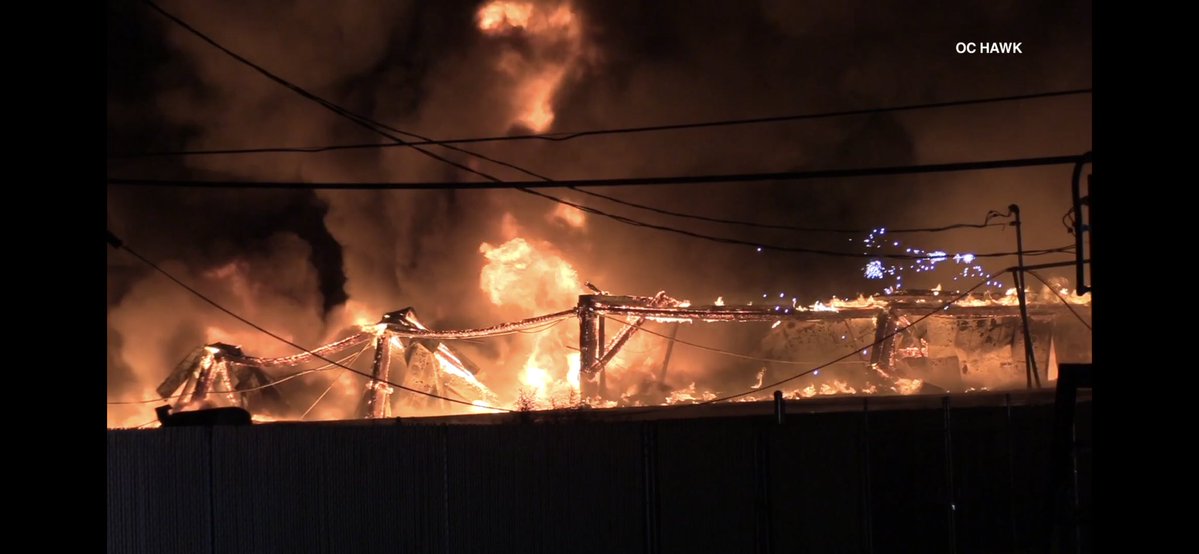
{"points": [[221, 375], [967, 345]]}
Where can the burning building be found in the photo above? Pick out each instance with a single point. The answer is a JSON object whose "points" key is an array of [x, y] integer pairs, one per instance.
{"points": [[904, 344], [320, 267]]}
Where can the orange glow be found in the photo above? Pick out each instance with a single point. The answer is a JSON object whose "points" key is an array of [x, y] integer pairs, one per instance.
{"points": [[554, 50], [537, 280], [504, 14], [568, 216], [518, 275]]}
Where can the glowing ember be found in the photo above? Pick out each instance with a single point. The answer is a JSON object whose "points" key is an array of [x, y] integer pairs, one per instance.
{"points": [[907, 386], [689, 395]]}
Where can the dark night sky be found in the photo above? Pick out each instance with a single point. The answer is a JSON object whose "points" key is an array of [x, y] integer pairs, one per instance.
{"points": [[291, 259]]}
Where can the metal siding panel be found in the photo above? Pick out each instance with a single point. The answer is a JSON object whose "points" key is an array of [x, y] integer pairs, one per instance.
{"points": [[983, 480], [908, 482], [817, 491], [545, 488], [815, 484], [158, 491], [1032, 437], [707, 486]]}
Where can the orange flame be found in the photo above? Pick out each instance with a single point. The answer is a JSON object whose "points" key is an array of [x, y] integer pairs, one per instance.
{"points": [[518, 275], [537, 280], [568, 216], [555, 43]]}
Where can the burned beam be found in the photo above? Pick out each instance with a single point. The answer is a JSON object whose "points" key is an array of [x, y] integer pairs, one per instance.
{"points": [[674, 333], [617, 343], [377, 389], [183, 371], [608, 352], [589, 332], [357, 339], [407, 331], [884, 340], [728, 313], [980, 311]]}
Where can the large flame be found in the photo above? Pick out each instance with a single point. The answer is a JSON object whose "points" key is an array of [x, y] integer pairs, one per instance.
{"points": [[553, 43], [519, 275], [537, 280]]}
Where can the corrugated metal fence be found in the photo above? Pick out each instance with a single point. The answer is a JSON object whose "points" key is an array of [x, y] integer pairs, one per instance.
{"points": [[930, 480]]}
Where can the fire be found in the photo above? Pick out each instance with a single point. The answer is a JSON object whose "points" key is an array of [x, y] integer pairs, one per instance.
{"points": [[568, 216], [907, 386], [574, 360], [689, 395], [359, 314], [537, 378], [518, 275], [503, 14], [554, 47], [538, 280], [822, 307]]}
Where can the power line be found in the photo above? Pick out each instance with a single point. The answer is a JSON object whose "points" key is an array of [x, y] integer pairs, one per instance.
{"points": [[565, 136], [986, 222], [791, 249], [840, 173], [367, 123], [774, 247], [377, 127], [360, 120], [340, 374], [120, 245]]}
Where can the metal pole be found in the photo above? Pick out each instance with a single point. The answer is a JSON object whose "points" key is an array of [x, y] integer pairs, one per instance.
{"points": [[780, 407], [1080, 285], [1030, 361]]}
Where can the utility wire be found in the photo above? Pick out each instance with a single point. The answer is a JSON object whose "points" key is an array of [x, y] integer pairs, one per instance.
{"points": [[496, 183], [565, 136], [524, 186], [986, 223], [360, 120], [340, 374], [378, 128]]}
